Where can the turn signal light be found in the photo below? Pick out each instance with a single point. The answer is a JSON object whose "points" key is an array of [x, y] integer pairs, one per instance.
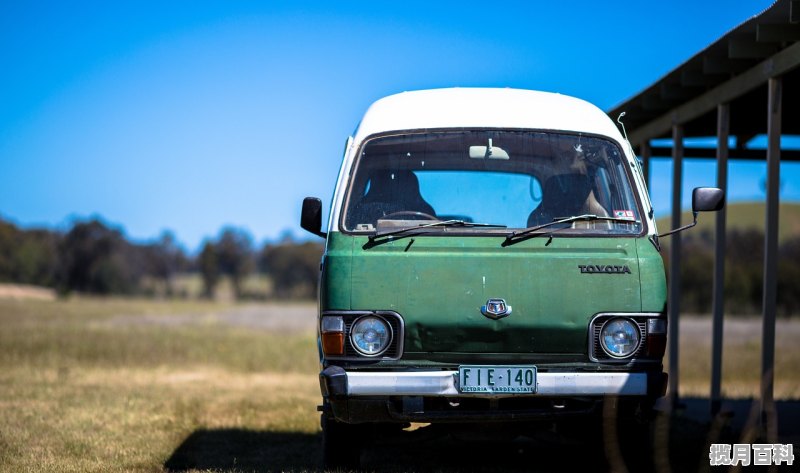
{"points": [[333, 343], [656, 338], [332, 335]]}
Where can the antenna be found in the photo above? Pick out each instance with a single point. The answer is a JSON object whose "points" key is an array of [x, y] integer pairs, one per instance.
{"points": [[624, 133]]}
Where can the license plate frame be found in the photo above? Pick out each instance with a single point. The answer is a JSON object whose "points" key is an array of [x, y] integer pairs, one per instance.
{"points": [[497, 379]]}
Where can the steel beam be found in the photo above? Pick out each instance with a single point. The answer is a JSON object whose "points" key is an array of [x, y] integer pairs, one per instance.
{"points": [[777, 33], [771, 255], [749, 49], [674, 295], [718, 298], [733, 154], [725, 65], [778, 64]]}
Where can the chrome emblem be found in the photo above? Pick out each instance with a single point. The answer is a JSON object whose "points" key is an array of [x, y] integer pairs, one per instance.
{"points": [[496, 309]]}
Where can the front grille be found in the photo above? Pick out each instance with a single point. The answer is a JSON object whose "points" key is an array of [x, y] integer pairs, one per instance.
{"points": [[597, 351]]}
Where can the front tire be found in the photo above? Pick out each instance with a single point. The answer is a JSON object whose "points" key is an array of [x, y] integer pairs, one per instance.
{"points": [[341, 444]]}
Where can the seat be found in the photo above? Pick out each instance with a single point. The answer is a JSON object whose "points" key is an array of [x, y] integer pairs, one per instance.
{"points": [[389, 192], [563, 195]]}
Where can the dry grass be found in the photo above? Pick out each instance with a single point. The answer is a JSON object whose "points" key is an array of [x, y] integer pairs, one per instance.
{"points": [[741, 355], [132, 385], [23, 291], [133, 419], [113, 385]]}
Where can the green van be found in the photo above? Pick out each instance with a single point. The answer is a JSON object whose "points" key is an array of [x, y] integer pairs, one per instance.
{"points": [[491, 256]]}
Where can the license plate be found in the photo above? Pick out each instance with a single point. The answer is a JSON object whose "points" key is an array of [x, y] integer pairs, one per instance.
{"points": [[496, 379]]}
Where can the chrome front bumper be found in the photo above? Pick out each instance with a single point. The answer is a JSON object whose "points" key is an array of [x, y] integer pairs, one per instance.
{"points": [[336, 381]]}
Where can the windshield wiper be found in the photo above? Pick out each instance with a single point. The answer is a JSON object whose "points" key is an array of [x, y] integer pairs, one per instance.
{"points": [[442, 223], [515, 237]]}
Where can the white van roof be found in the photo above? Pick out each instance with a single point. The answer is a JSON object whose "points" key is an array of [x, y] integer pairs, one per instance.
{"points": [[484, 108]]}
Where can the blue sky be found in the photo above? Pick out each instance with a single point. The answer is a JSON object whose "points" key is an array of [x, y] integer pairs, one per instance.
{"points": [[189, 116]]}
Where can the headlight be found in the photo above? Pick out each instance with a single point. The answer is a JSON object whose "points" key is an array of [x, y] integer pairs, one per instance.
{"points": [[619, 338], [371, 335]]}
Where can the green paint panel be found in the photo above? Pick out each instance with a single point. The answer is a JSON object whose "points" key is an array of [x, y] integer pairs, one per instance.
{"points": [[334, 291], [438, 285], [651, 273]]}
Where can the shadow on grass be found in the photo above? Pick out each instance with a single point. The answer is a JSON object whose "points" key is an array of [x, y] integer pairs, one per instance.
{"points": [[246, 451], [236, 450], [677, 442]]}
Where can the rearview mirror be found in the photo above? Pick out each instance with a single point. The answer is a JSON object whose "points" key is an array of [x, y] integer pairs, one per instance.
{"points": [[487, 152], [311, 216]]}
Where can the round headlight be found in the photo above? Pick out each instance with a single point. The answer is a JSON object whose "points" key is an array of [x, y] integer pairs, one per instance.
{"points": [[619, 338], [371, 335]]}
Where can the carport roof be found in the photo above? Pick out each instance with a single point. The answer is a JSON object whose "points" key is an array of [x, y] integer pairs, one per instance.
{"points": [[734, 70]]}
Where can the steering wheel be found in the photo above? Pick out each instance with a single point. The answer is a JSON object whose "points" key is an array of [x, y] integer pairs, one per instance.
{"points": [[411, 213]]}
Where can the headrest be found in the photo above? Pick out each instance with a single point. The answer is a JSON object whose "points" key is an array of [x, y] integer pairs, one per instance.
{"points": [[566, 190], [392, 183]]}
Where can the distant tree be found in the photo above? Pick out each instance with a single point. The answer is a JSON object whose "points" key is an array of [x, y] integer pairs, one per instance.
{"points": [[789, 276], [744, 255], [697, 266], [28, 256], [235, 256], [36, 257], [97, 259], [744, 271], [9, 236], [293, 267], [209, 268], [164, 258]]}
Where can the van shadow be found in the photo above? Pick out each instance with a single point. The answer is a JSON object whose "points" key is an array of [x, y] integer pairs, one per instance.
{"points": [[238, 450], [678, 442], [243, 450]]}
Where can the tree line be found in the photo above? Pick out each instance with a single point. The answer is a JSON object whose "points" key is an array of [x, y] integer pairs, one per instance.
{"points": [[744, 272], [96, 258]]}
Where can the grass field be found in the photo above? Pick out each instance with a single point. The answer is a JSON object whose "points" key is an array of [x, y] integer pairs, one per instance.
{"points": [[114, 385], [131, 385]]}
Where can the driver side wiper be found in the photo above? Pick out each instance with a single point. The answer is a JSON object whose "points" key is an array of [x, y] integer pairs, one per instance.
{"points": [[442, 223], [515, 237]]}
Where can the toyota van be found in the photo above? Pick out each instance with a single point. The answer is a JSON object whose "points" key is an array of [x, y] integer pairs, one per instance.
{"points": [[491, 255]]}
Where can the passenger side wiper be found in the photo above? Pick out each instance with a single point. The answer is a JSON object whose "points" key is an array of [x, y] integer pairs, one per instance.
{"points": [[515, 237], [442, 223]]}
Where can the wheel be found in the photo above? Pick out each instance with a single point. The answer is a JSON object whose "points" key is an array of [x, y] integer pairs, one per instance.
{"points": [[411, 213], [635, 434], [341, 444]]}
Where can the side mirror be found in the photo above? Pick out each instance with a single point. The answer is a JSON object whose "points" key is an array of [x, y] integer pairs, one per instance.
{"points": [[311, 216], [707, 199], [704, 199]]}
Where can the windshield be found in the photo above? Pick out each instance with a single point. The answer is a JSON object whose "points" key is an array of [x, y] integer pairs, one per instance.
{"points": [[512, 179]]}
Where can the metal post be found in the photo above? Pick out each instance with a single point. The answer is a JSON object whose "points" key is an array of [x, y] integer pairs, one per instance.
{"points": [[673, 301], [771, 251], [718, 304]]}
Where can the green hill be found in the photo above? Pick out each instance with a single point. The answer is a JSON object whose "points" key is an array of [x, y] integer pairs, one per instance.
{"points": [[744, 215]]}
